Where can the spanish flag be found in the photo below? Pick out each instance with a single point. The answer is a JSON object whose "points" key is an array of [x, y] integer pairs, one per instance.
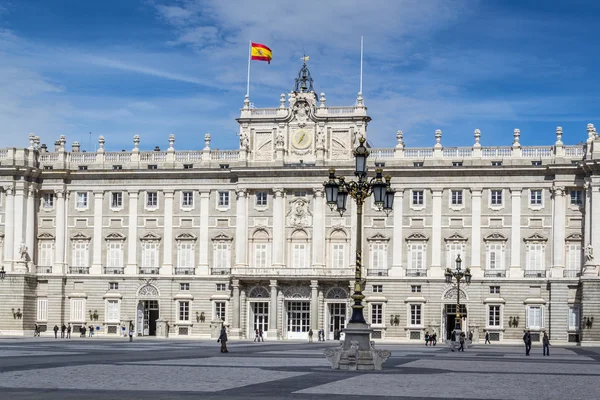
{"points": [[261, 52]]}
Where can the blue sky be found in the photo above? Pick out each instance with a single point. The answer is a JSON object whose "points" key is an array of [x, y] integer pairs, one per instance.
{"points": [[152, 67]]}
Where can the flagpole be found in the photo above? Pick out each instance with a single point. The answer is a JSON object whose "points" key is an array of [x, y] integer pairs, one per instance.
{"points": [[361, 64], [249, 57]]}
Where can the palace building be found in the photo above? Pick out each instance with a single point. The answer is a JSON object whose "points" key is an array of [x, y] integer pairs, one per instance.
{"points": [[177, 242]]}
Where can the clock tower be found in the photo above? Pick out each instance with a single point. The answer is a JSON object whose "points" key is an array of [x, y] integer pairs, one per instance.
{"points": [[303, 129]]}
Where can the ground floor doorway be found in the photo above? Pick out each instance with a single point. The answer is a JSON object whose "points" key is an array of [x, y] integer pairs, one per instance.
{"points": [[298, 319], [449, 318], [147, 314], [259, 315], [337, 318]]}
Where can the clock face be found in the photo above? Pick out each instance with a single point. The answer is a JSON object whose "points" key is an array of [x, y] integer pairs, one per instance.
{"points": [[302, 139]]}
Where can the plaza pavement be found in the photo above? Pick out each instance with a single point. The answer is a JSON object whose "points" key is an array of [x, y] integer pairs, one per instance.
{"points": [[95, 368]]}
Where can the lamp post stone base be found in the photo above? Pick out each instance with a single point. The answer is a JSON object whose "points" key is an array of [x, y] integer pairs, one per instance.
{"points": [[357, 352]]}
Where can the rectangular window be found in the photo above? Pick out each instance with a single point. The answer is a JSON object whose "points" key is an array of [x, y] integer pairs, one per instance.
{"points": [[185, 255], [187, 199], [337, 255], [495, 257], [80, 254], [376, 313], [220, 310], [184, 286], [150, 255], [223, 199], [535, 197], [574, 257], [77, 310], [300, 193], [117, 167], [83, 167], [82, 200], [496, 163], [46, 253], [495, 289], [114, 257], [260, 255], [496, 197], [299, 255], [573, 317], [494, 315], [415, 288], [151, 199], [457, 163], [418, 164], [188, 166], [576, 197], [378, 256], [261, 199], [535, 258], [222, 259], [418, 197], [454, 250], [184, 311], [377, 288], [116, 200], [221, 287], [534, 317], [48, 200], [113, 285], [457, 197], [152, 166], [417, 256], [415, 314], [42, 309], [113, 311], [536, 163]]}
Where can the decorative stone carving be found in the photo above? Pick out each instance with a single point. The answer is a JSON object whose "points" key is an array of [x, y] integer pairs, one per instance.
{"points": [[456, 237], [299, 214], [496, 236], [115, 236], [417, 237], [477, 136], [207, 141], [400, 139], [171, 141], [186, 236], [24, 256], [333, 355], [259, 292], [589, 253], [296, 292], [379, 356], [516, 136], [279, 140], [150, 236], [244, 140], [536, 237], [148, 291], [451, 293], [336, 293], [320, 141]]}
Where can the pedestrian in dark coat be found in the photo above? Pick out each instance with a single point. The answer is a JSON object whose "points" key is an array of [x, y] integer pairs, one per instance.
{"points": [[69, 331], [487, 338], [546, 343], [461, 340], [223, 340], [260, 335], [55, 331], [63, 329], [527, 341]]}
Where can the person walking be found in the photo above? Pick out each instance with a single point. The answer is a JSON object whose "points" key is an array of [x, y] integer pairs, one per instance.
{"points": [[546, 343], [36, 331], [487, 338], [55, 331], [527, 341], [82, 331], [63, 329], [256, 335], [69, 331], [223, 340], [426, 339], [310, 335], [91, 328], [434, 338], [131, 332], [461, 340], [260, 335]]}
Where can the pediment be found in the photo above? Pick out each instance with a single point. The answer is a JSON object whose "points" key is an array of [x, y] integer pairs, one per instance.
{"points": [[45, 236], [574, 237], [496, 236], [456, 237], [150, 236], [115, 236], [80, 236], [378, 237], [417, 237], [222, 237], [536, 237], [186, 236]]}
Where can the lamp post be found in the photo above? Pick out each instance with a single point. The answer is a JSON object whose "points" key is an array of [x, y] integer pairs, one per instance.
{"points": [[458, 274], [337, 190]]}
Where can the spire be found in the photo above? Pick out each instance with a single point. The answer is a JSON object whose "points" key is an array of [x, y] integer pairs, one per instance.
{"points": [[304, 82]]}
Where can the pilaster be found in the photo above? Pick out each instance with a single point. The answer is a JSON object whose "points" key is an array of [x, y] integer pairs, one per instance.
{"points": [[558, 231], [436, 234], [203, 249], [9, 226], [19, 222], [132, 239], [278, 228], [515, 234], [476, 233], [31, 224], [97, 239], [241, 228], [273, 314], [595, 219], [314, 305], [167, 265], [59, 255], [235, 318], [397, 245], [318, 239]]}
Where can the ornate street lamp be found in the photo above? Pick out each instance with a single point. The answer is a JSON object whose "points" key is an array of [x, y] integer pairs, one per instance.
{"points": [[458, 274], [337, 191]]}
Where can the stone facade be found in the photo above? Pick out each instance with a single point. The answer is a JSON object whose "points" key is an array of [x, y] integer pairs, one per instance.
{"points": [[180, 241]]}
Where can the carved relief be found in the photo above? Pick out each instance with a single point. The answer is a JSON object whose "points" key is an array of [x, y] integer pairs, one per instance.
{"points": [[336, 293], [299, 214], [264, 146], [296, 292], [451, 293], [148, 291], [259, 292]]}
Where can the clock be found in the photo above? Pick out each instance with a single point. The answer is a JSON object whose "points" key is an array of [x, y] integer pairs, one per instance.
{"points": [[302, 139]]}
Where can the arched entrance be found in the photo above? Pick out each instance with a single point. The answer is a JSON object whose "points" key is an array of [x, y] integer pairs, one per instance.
{"points": [[336, 311], [258, 311], [449, 310], [147, 311]]}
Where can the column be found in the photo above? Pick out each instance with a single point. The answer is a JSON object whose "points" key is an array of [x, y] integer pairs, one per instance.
{"points": [[587, 223], [167, 267], [97, 240], [243, 315], [515, 235], [273, 310], [19, 219], [397, 239], [235, 303], [30, 225], [314, 306], [476, 233], [595, 225], [436, 234], [278, 230], [132, 239], [241, 229], [59, 250], [9, 226], [203, 235], [558, 231], [318, 239]]}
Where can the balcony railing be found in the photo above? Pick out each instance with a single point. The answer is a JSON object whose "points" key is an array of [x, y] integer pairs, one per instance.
{"points": [[377, 272], [114, 270], [293, 272], [220, 271], [40, 269], [149, 270], [79, 270], [416, 272], [184, 270], [571, 273], [491, 273], [534, 273]]}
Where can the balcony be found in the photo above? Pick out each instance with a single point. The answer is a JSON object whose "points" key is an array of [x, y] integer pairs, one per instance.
{"points": [[571, 273], [79, 270], [377, 272], [416, 272], [293, 272], [184, 270], [149, 270], [40, 269], [534, 273], [220, 271], [114, 270], [491, 273]]}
